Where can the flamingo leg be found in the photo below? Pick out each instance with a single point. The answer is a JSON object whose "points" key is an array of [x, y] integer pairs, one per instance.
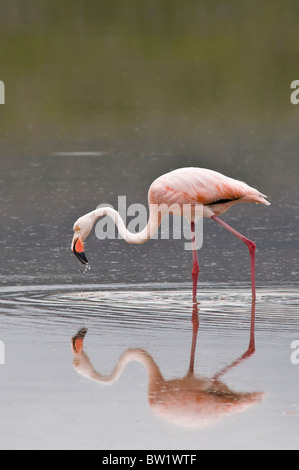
{"points": [[195, 322], [195, 270], [251, 247]]}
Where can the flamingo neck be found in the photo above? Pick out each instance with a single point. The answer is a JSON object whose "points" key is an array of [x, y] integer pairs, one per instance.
{"points": [[85, 368], [134, 238]]}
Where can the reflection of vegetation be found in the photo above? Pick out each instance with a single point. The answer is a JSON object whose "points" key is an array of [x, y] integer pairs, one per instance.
{"points": [[68, 65]]}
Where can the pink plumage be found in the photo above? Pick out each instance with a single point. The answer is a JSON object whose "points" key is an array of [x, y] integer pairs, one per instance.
{"points": [[185, 186], [202, 186]]}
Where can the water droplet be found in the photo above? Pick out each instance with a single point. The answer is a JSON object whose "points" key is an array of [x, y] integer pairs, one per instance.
{"points": [[87, 268]]}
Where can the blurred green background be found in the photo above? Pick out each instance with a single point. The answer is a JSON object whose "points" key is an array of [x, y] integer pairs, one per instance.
{"points": [[148, 85], [146, 73]]}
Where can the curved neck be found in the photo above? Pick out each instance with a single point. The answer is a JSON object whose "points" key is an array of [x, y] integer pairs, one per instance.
{"points": [[134, 238], [85, 368]]}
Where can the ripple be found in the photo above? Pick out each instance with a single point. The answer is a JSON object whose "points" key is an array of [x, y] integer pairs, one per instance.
{"points": [[150, 306]]}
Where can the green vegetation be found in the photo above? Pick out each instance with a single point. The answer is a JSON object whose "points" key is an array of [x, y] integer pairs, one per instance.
{"points": [[100, 67]]}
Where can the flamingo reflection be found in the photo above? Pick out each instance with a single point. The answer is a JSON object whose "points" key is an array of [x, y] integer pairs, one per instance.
{"points": [[188, 401]]}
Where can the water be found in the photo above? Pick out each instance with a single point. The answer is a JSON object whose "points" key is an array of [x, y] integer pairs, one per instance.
{"points": [[130, 95], [51, 405]]}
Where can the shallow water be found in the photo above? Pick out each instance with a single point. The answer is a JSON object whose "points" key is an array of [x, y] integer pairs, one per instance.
{"points": [[53, 403], [100, 112], [140, 298]]}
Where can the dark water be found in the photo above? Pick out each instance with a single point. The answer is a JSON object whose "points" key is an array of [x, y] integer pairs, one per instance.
{"points": [[99, 112]]}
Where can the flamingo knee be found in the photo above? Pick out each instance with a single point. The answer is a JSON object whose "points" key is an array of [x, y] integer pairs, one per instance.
{"points": [[251, 246]]}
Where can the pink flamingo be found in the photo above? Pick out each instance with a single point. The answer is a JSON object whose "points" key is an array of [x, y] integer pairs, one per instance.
{"points": [[213, 191], [188, 401]]}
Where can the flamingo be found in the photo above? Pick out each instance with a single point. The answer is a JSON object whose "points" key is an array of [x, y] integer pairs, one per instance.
{"points": [[192, 400], [211, 190]]}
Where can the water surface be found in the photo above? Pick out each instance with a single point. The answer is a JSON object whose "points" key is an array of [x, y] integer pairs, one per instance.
{"points": [[51, 405], [101, 100]]}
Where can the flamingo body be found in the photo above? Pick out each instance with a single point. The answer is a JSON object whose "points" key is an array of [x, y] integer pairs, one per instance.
{"points": [[213, 191], [216, 192]]}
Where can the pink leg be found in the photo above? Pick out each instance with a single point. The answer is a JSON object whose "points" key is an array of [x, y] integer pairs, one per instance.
{"points": [[195, 321], [195, 271], [252, 247]]}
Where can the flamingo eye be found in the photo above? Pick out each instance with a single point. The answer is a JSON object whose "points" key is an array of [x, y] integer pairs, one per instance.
{"points": [[77, 228]]}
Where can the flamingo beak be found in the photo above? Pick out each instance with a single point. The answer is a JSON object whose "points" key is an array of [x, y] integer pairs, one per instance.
{"points": [[78, 249], [78, 340]]}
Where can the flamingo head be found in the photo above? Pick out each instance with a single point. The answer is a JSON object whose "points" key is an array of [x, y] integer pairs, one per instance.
{"points": [[82, 229]]}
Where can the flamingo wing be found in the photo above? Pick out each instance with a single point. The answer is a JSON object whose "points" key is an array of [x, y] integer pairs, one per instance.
{"points": [[201, 186]]}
